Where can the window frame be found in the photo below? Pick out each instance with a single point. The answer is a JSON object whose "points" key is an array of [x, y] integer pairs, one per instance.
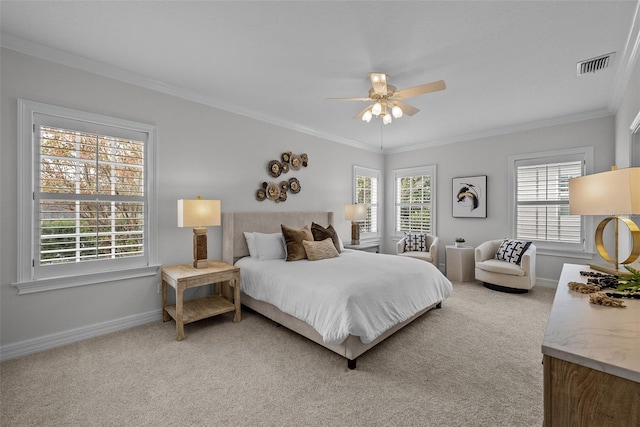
{"points": [[585, 250], [430, 170], [375, 174], [30, 113]]}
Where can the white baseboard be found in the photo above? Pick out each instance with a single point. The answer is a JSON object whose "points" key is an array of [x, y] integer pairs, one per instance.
{"points": [[47, 342], [547, 283]]}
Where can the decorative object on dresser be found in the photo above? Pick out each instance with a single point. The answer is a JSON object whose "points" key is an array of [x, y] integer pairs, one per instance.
{"points": [[608, 289], [459, 242], [419, 246], [506, 265], [591, 360], [181, 277], [199, 214], [612, 193], [355, 214], [470, 197], [278, 191]]}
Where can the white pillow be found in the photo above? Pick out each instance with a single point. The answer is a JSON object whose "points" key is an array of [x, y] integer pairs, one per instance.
{"points": [[270, 246], [340, 244], [251, 244]]}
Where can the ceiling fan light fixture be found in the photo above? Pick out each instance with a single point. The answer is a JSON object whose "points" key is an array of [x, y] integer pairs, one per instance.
{"points": [[396, 111], [376, 109], [366, 117], [386, 119]]}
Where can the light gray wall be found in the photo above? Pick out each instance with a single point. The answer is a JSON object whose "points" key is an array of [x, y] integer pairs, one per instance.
{"points": [[489, 156], [201, 151], [627, 111], [208, 152]]}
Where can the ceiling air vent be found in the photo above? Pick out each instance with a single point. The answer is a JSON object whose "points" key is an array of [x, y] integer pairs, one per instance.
{"points": [[595, 64]]}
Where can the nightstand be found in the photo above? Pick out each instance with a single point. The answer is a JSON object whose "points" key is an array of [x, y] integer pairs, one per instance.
{"points": [[461, 263], [366, 247], [181, 277]]}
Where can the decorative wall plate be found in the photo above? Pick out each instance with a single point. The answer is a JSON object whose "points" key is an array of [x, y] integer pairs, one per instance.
{"points": [[294, 185], [296, 162], [273, 191], [278, 191]]}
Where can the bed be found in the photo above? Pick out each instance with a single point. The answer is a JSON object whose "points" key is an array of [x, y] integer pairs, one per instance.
{"points": [[349, 341]]}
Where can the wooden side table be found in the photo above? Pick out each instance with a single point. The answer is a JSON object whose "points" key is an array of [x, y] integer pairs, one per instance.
{"points": [[185, 276], [461, 263]]}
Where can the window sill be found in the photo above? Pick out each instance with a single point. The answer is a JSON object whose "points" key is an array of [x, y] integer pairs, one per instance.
{"points": [[42, 285], [565, 254]]}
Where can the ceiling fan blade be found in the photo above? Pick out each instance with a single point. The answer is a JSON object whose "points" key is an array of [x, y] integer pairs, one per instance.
{"points": [[379, 83], [361, 113], [407, 109], [350, 99], [420, 90]]}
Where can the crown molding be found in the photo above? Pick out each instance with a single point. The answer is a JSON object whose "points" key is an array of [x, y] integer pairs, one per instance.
{"points": [[74, 61], [555, 121], [68, 59], [628, 60]]}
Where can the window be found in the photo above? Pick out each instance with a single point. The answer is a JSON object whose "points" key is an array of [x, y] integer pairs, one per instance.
{"points": [[415, 200], [366, 185], [86, 181], [541, 199]]}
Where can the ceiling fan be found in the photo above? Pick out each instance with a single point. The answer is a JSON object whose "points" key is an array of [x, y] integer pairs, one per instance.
{"points": [[387, 99]]}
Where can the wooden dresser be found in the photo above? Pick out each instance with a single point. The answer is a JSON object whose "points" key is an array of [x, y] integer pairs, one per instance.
{"points": [[591, 360]]}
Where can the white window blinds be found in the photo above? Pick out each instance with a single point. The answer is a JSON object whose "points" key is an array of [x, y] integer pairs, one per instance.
{"points": [[367, 193], [542, 199], [90, 196], [415, 200]]}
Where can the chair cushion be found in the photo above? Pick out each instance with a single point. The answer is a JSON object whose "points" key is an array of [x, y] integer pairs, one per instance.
{"points": [[501, 267], [512, 250], [415, 243], [418, 255]]}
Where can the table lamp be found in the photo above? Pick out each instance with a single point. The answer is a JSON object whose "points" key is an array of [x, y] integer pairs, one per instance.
{"points": [[199, 214], [612, 193], [355, 213]]}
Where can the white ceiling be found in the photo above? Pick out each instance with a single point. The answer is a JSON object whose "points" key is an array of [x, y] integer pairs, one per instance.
{"points": [[508, 65]]}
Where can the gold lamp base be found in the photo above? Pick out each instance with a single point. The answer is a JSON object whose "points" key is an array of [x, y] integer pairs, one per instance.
{"points": [[199, 247], [635, 250]]}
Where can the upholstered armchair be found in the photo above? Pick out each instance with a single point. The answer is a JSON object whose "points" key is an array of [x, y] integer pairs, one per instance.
{"points": [[506, 275], [427, 251]]}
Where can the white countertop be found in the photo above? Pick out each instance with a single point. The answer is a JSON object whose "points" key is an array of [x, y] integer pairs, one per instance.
{"points": [[603, 338]]}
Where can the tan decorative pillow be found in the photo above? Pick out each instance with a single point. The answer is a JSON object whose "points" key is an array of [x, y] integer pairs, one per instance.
{"points": [[320, 250], [293, 239], [321, 233]]}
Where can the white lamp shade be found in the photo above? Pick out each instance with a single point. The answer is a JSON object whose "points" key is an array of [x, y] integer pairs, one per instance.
{"points": [[356, 212], [376, 109], [386, 119], [366, 117], [615, 192], [198, 213], [396, 111]]}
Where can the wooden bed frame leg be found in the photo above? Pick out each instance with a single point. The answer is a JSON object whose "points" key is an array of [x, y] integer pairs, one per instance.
{"points": [[351, 363], [439, 305]]}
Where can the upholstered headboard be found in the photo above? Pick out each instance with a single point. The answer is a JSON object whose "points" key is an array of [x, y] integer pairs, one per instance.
{"points": [[234, 224]]}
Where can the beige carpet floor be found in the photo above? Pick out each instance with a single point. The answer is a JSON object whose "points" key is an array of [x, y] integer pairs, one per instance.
{"points": [[475, 362]]}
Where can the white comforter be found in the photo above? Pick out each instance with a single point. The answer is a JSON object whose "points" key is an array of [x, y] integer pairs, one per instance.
{"points": [[357, 293]]}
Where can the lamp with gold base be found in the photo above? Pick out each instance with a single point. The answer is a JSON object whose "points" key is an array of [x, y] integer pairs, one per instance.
{"points": [[613, 193], [199, 214]]}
